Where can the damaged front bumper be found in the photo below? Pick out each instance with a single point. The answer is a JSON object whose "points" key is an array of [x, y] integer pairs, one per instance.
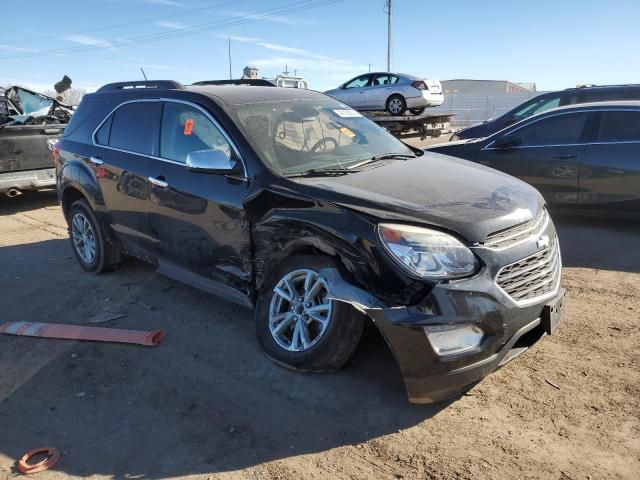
{"points": [[509, 329]]}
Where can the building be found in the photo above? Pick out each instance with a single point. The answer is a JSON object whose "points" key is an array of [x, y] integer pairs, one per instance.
{"points": [[474, 101], [485, 87]]}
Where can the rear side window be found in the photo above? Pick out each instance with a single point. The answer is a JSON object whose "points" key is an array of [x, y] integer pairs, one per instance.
{"points": [[186, 129], [384, 79], [556, 130], [619, 126], [102, 135], [609, 95], [133, 127]]}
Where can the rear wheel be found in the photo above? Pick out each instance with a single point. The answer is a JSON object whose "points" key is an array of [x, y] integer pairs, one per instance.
{"points": [[92, 250], [396, 105], [298, 325]]}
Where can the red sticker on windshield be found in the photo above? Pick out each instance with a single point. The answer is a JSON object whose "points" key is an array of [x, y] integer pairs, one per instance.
{"points": [[188, 126]]}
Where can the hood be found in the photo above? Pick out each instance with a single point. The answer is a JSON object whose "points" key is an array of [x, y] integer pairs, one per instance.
{"points": [[460, 196]]}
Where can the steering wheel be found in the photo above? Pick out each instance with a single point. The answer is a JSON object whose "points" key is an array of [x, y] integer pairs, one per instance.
{"points": [[322, 144]]}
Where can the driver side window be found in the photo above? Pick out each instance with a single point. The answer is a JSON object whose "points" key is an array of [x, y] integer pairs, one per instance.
{"points": [[556, 130], [186, 129], [361, 81]]}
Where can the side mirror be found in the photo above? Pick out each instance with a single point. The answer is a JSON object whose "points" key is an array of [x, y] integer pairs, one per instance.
{"points": [[508, 141], [210, 161]]}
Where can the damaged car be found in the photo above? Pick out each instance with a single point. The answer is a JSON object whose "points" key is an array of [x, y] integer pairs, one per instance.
{"points": [[293, 204], [29, 123]]}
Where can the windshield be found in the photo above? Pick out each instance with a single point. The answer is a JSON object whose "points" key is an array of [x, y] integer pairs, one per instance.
{"points": [[30, 103], [295, 136]]}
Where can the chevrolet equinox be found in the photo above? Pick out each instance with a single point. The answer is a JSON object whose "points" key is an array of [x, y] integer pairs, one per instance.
{"points": [[292, 203]]}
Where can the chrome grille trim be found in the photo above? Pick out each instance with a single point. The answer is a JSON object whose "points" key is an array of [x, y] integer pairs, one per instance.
{"points": [[518, 234], [533, 278]]}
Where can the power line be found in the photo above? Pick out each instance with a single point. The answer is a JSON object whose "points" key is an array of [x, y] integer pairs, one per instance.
{"points": [[205, 27], [120, 25]]}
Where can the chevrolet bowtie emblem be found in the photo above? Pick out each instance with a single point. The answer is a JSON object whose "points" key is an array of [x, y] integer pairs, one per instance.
{"points": [[542, 242]]}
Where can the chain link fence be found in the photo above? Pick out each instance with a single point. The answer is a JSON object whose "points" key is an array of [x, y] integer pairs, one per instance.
{"points": [[474, 108]]}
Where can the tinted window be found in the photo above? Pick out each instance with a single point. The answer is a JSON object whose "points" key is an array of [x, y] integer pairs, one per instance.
{"points": [[619, 127], [102, 135], [359, 82], [609, 95], [133, 127], [555, 130], [186, 129], [384, 79], [537, 106]]}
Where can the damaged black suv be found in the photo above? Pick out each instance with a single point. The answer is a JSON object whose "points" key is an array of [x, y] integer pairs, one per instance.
{"points": [[294, 204]]}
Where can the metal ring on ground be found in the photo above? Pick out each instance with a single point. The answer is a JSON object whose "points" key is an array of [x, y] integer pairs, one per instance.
{"points": [[52, 457]]}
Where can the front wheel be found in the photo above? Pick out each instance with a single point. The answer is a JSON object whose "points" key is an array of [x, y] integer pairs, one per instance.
{"points": [[298, 325], [396, 105]]}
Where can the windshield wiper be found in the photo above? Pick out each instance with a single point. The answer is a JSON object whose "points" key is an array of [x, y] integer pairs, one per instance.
{"points": [[384, 156], [319, 172]]}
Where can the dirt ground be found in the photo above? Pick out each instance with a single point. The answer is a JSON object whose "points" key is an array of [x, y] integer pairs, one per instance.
{"points": [[207, 403]]}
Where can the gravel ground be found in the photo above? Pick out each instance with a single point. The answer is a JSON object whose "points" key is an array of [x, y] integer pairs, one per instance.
{"points": [[207, 403]]}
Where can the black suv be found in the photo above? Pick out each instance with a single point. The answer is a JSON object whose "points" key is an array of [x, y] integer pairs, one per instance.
{"points": [[547, 101], [292, 203]]}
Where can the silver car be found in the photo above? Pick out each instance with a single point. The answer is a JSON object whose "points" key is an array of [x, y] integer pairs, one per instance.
{"points": [[393, 92]]}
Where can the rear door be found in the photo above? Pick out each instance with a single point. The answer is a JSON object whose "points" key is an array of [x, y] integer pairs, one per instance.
{"points": [[547, 156], [197, 219], [610, 170], [124, 143], [379, 90]]}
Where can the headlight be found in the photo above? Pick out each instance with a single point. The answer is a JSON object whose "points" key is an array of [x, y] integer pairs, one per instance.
{"points": [[427, 253]]}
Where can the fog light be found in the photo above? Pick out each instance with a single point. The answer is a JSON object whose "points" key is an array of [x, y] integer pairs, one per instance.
{"points": [[452, 339]]}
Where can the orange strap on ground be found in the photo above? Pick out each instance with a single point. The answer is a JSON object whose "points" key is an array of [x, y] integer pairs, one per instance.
{"points": [[148, 338], [52, 457]]}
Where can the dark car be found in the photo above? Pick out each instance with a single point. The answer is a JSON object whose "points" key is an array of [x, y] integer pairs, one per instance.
{"points": [[291, 203], [582, 158], [548, 101]]}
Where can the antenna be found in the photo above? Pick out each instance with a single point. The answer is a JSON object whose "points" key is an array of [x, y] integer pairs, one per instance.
{"points": [[144, 74]]}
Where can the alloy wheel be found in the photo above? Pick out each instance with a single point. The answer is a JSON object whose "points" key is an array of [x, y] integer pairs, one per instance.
{"points": [[84, 239], [395, 106], [300, 310]]}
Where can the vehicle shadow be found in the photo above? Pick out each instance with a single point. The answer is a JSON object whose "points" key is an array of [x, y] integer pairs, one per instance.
{"points": [[206, 400], [28, 201], [605, 244]]}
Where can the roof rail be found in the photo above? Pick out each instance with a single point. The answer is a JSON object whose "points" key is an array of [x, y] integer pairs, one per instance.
{"points": [[254, 82], [159, 84], [593, 85]]}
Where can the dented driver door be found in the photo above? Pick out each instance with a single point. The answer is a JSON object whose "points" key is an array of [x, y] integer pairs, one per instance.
{"points": [[196, 219]]}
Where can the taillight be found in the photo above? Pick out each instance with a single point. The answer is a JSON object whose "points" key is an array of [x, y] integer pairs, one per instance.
{"points": [[420, 85], [54, 146]]}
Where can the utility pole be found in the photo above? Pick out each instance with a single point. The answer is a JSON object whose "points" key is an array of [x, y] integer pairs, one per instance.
{"points": [[388, 4], [230, 77]]}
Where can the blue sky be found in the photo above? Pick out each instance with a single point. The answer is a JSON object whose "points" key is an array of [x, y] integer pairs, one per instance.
{"points": [[556, 44]]}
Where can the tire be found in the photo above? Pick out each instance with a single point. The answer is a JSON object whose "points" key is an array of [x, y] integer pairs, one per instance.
{"points": [[83, 228], [417, 111], [330, 347], [396, 105]]}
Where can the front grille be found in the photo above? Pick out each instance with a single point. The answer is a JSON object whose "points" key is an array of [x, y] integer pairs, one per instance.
{"points": [[518, 234], [534, 276]]}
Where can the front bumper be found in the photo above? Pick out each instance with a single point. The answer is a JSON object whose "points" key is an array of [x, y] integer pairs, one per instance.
{"points": [[510, 326]]}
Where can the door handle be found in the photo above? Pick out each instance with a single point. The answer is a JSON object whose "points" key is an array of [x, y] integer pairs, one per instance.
{"points": [[96, 160], [159, 182], [564, 156]]}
